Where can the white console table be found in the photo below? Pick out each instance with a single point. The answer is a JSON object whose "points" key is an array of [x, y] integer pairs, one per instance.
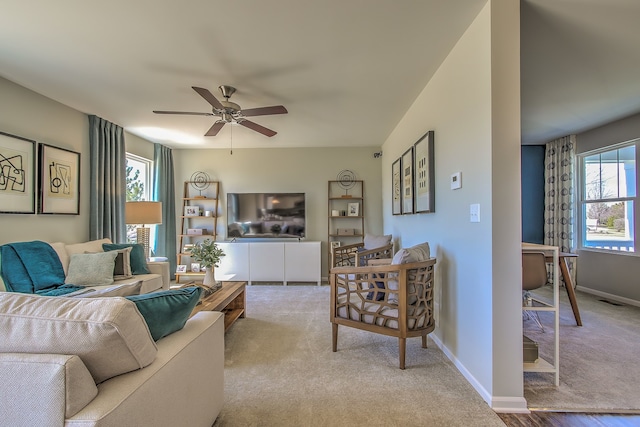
{"points": [[278, 261]]}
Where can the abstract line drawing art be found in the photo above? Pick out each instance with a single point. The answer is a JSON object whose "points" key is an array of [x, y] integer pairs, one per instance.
{"points": [[60, 179], [17, 174], [59, 191], [12, 173]]}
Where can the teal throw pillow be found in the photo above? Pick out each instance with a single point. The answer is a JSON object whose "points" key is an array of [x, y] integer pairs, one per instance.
{"points": [[138, 257], [167, 311]]}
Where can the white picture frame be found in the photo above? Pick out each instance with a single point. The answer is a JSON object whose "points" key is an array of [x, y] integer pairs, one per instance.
{"points": [[335, 244], [181, 268], [195, 267], [191, 210], [353, 209]]}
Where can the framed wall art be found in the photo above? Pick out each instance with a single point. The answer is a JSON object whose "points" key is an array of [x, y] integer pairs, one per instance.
{"points": [[17, 174], [407, 181], [424, 185], [396, 192], [353, 209], [59, 184]]}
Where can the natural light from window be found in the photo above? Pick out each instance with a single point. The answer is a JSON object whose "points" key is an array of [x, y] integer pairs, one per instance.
{"points": [[608, 199]]}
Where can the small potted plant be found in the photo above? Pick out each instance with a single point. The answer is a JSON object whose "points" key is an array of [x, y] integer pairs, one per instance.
{"points": [[208, 254]]}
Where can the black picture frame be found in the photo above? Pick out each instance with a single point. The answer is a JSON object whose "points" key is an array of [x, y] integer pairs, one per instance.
{"points": [[396, 189], [424, 175], [59, 183], [407, 182], [17, 174]]}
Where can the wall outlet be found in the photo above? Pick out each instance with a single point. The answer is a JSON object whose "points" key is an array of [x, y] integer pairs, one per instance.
{"points": [[474, 212]]}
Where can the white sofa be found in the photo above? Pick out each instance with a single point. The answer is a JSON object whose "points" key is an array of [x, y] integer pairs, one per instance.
{"points": [[55, 353], [158, 279]]}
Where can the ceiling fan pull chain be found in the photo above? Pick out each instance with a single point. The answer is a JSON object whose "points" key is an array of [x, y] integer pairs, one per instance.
{"points": [[231, 130]]}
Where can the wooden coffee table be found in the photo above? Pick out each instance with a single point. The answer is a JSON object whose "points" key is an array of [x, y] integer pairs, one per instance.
{"points": [[230, 299]]}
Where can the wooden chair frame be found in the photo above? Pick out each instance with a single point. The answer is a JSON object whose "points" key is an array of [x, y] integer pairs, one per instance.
{"points": [[402, 312], [352, 255]]}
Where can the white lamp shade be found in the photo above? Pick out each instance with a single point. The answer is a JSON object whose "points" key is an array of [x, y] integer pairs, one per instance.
{"points": [[143, 213]]}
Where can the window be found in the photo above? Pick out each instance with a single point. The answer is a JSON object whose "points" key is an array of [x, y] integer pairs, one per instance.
{"points": [[138, 189], [608, 198]]}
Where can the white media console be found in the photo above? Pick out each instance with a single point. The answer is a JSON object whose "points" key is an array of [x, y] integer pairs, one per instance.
{"points": [[270, 261]]}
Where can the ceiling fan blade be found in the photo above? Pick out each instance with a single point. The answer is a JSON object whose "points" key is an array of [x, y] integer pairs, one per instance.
{"points": [[264, 111], [188, 113], [208, 96], [254, 126], [213, 131]]}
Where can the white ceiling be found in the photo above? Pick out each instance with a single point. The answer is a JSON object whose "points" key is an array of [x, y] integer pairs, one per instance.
{"points": [[346, 70]]}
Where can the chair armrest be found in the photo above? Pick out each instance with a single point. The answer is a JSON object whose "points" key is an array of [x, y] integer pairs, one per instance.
{"points": [[161, 268], [379, 261]]}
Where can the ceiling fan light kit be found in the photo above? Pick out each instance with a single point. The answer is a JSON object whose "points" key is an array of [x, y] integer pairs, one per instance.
{"points": [[230, 112]]}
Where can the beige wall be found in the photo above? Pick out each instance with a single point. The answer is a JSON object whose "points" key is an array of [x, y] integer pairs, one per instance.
{"points": [[33, 116], [304, 170], [472, 104], [609, 275]]}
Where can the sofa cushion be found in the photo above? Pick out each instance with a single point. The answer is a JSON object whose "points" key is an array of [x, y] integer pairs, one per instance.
{"points": [[119, 290], [108, 334], [56, 383], [91, 269], [167, 311], [138, 257], [77, 248]]}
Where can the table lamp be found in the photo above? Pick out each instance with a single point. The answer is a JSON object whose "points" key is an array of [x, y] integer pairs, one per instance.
{"points": [[143, 213]]}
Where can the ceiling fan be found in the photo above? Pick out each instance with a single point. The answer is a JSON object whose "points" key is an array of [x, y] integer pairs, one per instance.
{"points": [[230, 112]]}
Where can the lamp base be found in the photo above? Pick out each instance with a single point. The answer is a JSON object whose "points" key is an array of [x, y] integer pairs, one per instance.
{"points": [[142, 237]]}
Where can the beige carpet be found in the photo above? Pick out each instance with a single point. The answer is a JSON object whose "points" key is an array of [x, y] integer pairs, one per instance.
{"points": [[599, 362], [280, 371]]}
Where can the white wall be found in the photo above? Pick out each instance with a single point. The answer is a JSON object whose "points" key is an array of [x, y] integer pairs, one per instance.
{"points": [[304, 170], [472, 104]]}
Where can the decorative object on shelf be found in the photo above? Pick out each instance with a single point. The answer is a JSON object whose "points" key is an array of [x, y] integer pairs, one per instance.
{"points": [[195, 267], [208, 254], [396, 191], [191, 211], [407, 181], [354, 209], [181, 268], [59, 185], [424, 185], [17, 174], [335, 244], [200, 181], [195, 231], [143, 213], [346, 180]]}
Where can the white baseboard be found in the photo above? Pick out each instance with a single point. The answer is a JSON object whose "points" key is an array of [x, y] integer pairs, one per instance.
{"points": [[512, 405], [608, 296]]}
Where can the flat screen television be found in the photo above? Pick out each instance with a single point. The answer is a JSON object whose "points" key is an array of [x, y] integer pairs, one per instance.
{"points": [[265, 215]]}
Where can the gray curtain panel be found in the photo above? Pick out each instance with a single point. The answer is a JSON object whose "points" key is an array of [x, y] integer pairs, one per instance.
{"points": [[164, 191], [108, 180]]}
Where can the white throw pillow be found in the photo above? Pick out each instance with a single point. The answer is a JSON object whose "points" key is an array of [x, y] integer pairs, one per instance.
{"points": [[372, 241], [91, 269]]}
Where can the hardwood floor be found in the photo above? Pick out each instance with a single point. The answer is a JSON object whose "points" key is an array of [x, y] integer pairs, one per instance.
{"points": [[570, 419]]}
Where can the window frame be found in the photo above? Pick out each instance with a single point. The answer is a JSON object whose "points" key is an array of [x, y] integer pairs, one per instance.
{"points": [[583, 201], [148, 194]]}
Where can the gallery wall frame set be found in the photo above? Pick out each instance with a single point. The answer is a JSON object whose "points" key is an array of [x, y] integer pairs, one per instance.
{"points": [[58, 183], [412, 178]]}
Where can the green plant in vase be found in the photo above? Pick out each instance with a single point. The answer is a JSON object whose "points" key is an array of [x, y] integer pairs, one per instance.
{"points": [[208, 254]]}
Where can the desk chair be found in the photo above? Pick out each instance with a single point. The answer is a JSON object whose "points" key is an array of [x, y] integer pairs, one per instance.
{"points": [[534, 275]]}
